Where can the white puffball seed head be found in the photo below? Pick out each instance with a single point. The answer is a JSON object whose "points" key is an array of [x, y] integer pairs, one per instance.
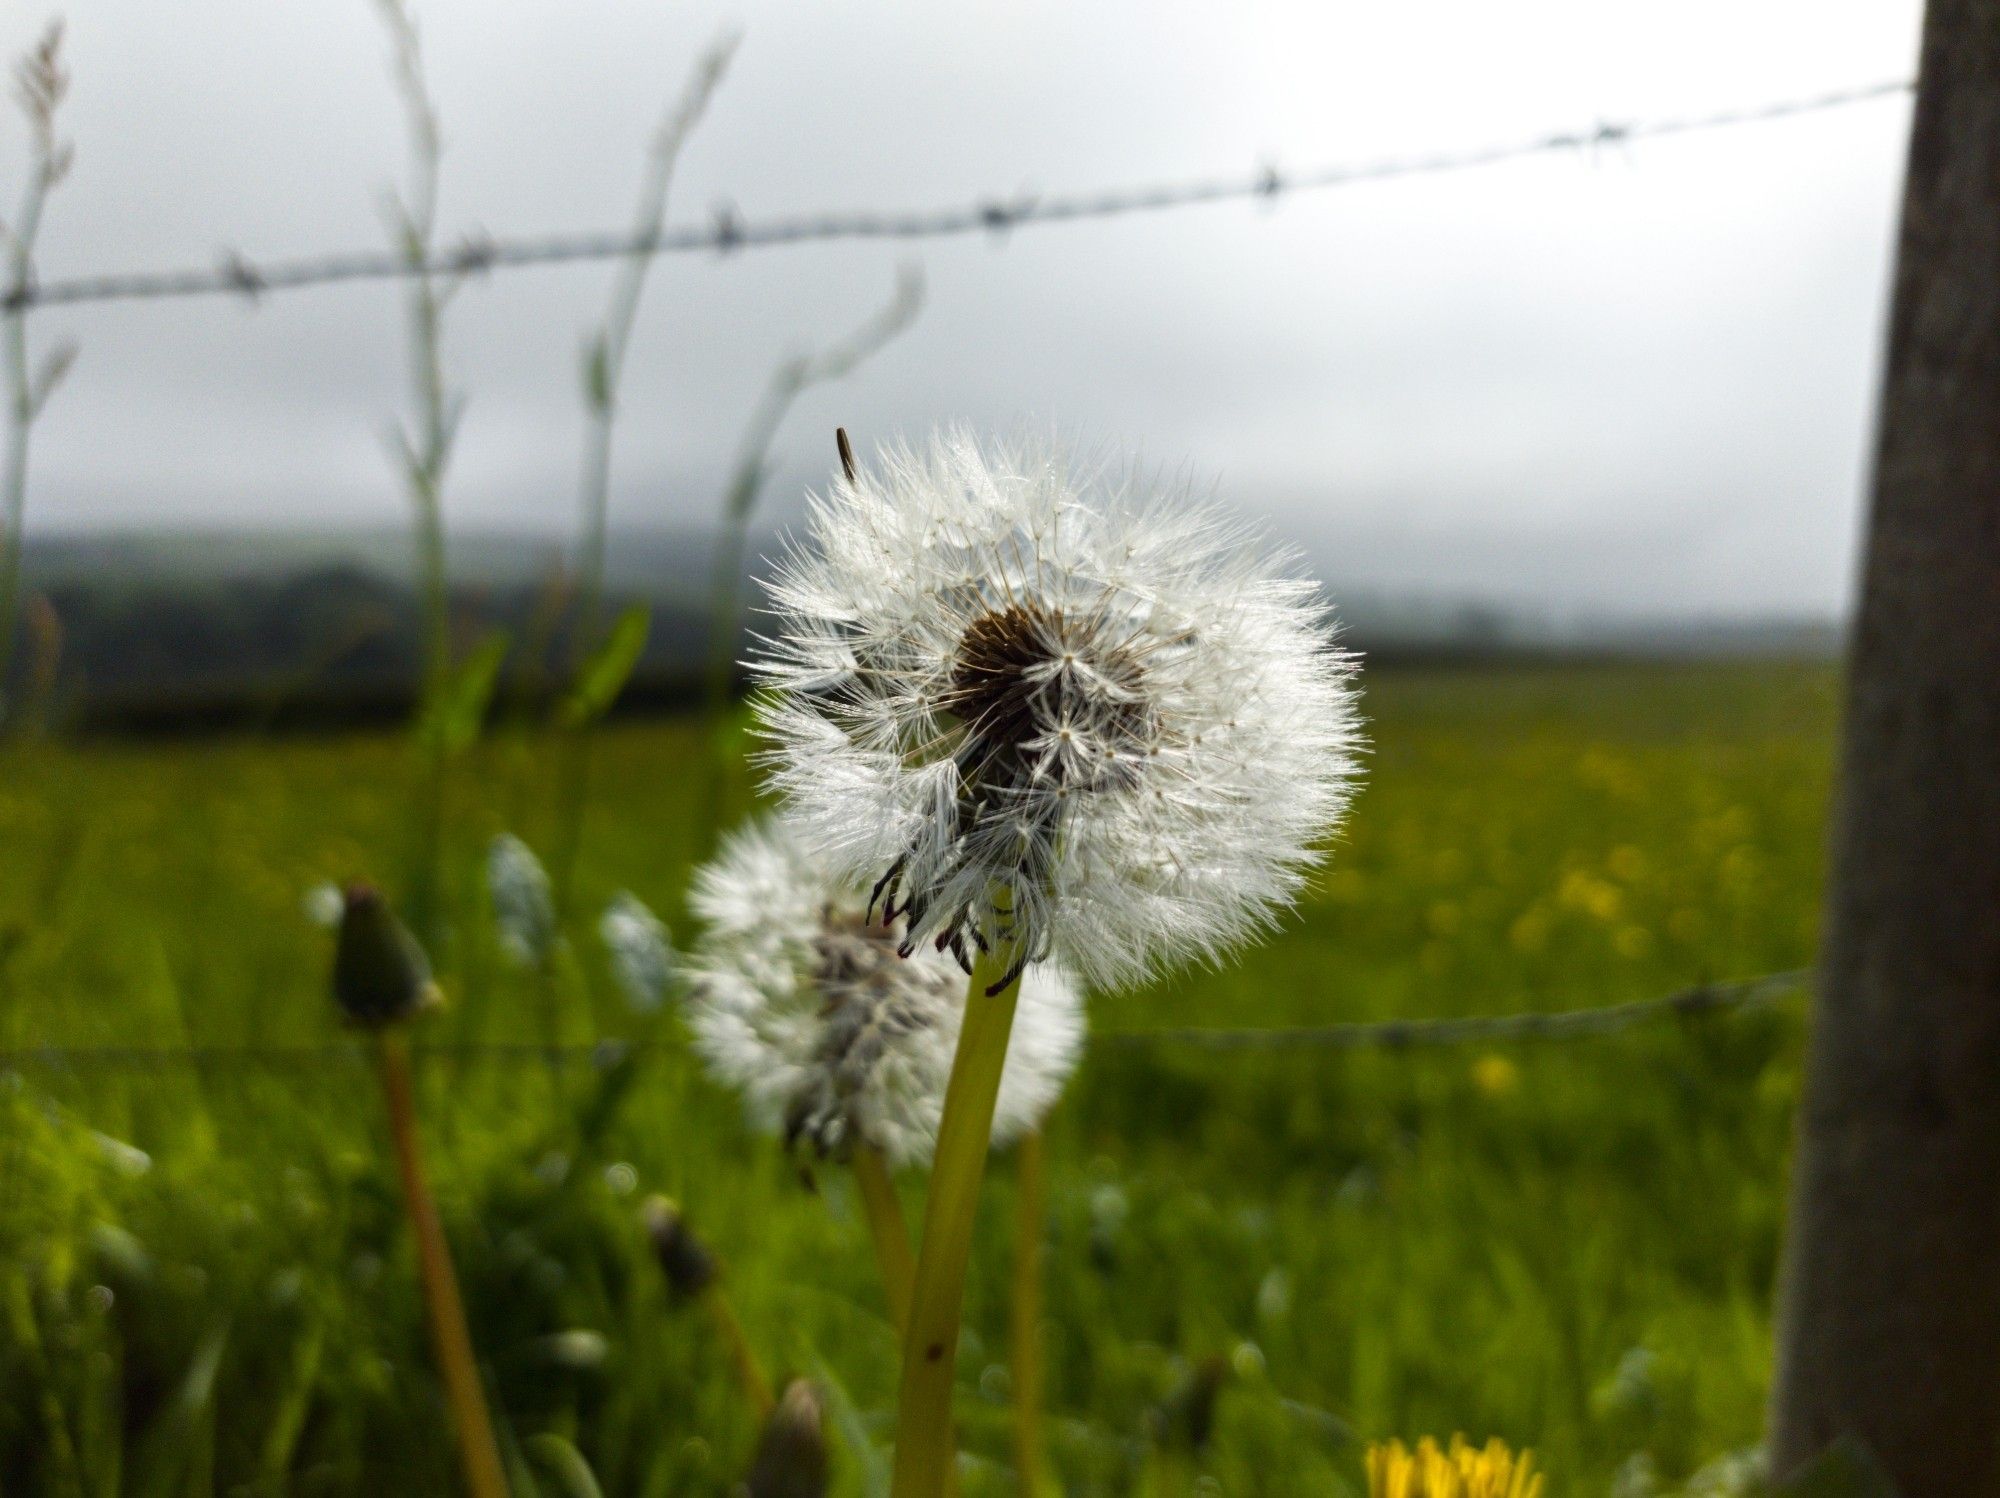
{"points": [[991, 671]]}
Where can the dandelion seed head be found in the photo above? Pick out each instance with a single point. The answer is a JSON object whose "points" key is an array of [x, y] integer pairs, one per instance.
{"points": [[803, 1001], [993, 669]]}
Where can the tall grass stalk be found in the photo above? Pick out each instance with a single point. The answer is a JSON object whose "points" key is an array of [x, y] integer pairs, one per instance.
{"points": [[924, 1439], [603, 374], [478, 1450], [40, 83], [604, 355], [423, 445], [788, 382]]}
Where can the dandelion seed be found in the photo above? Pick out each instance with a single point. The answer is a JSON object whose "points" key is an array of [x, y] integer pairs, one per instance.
{"points": [[801, 1000], [524, 909], [993, 673], [642, 953]]}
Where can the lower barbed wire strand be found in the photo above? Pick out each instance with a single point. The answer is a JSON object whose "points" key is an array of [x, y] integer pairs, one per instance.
{"points": [[1562, 1024]]}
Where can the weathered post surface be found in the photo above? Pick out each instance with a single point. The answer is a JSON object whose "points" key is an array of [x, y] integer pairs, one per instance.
{"points": [[1889, 1315]]}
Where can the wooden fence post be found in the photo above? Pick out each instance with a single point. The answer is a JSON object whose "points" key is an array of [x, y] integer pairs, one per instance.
{"points": [[1889, 1314]]}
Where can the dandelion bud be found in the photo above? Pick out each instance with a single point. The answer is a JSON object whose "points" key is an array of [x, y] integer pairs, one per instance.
{"points": [[1037, 707], [833, 1028], [791, 1459], [380, 974], [688, 1265], [524, 909], [642, 955]]}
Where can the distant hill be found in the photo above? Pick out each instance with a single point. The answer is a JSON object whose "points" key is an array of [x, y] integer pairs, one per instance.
{"points": [[190, 627]]}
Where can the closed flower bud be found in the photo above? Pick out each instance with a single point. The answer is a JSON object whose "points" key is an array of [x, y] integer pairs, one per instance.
{"points": [[791, 1457], [380, 974], [688, 1265]]}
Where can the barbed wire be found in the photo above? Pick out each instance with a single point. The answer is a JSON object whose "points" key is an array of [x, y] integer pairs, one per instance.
{"points": [[1397, 1034], [1566, 1024], [727, 232]]}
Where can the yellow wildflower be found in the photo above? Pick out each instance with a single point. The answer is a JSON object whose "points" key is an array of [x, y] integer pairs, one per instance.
{"points": [[1491, 1471], [1495, 1075]]}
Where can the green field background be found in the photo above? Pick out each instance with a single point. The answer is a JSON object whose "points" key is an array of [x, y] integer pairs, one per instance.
{"points": [[1567, 1244]]}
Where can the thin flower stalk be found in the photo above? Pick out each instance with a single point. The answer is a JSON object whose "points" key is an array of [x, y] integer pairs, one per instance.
{"points": [[742, 1356], [887, 1229], [925, 1445], [694, 1274], [452, 1342]]}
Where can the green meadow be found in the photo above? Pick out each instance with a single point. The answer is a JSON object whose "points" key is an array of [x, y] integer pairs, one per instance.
{"points": [[1257, 1260]]}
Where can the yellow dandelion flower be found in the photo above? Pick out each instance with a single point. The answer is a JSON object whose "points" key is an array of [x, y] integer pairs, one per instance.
{"points": [[1495, 1075], [1491, 1471]]}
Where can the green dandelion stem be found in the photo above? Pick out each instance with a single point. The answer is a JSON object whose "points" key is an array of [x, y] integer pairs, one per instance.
{"points": [[924, 1455], [1025, 1329]]}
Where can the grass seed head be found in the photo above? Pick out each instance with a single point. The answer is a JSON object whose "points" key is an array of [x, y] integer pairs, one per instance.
{"points": [[641, 948], [524, 907]]}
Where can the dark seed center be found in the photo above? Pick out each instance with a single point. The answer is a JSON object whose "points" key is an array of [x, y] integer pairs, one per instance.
{"points": [[990, 689]]}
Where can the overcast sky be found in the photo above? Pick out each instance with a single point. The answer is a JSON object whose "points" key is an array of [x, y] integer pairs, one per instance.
{"points": [[1639, 380]]}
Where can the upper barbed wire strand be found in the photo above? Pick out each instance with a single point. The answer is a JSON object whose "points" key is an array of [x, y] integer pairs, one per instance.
{"points": [[728, 231]]}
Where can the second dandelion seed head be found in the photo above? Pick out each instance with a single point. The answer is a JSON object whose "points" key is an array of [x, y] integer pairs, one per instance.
{"points": [[800, 997]]}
